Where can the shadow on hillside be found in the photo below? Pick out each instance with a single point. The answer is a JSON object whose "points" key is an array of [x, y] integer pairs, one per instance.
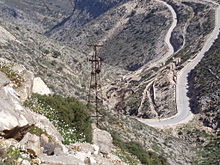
{"points": [[192, 93]]}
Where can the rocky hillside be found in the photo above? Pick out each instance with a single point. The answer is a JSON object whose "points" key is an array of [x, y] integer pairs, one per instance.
{"points": [[132, 34], [48, 39], [53, 15], [61, 66], [119, 30], [205, 92], [81, 22], [36, 135], [43, 124], [155, 82]]}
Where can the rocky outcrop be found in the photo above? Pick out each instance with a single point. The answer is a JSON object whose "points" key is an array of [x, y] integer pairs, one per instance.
{"points": [[76, 154], [32, 144], [82, 154], [12, 113], [61, 160], [15, 120]]}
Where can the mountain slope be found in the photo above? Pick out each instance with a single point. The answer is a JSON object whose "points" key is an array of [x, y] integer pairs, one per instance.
{"points": [[129, 30], [205, 93]]}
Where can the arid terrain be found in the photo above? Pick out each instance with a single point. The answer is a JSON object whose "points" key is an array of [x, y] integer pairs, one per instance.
{"points": [[160, 81]]}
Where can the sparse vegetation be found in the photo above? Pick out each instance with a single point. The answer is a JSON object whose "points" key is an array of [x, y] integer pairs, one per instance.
{"points": [[204, 92], [68, 115], [11, 155], [127, 48], [46, 51], [56, 54], [207, 144], [16, 78], [147, 158], [126, 157]]}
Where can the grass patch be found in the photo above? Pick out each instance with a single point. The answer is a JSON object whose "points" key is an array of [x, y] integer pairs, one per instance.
{"points": [[69, 116]]}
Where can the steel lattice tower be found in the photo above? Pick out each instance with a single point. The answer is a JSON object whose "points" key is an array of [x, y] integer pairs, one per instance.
{"points": [[95, 84]]}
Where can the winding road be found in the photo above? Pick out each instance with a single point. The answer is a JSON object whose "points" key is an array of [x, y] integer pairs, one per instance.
{"points": [[162, 59], [184, 113]]}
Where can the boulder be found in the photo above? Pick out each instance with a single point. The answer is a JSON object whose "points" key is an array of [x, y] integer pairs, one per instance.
{"points": [[48, 147], [102, 139], [40, 87], [32, 144], [25, 90], [43, 123]]}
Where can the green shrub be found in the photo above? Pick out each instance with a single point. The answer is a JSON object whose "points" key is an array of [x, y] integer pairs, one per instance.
{"points": [[56, 54], [17, 28], [46, 51], [69, 116]]}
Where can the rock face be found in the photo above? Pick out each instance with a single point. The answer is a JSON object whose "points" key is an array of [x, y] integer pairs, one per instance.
{"points": [[12, 113], [4, 80], [102, 139]]}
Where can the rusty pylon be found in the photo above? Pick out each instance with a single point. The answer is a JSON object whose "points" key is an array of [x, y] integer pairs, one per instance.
{"points": [[95, 84]]}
